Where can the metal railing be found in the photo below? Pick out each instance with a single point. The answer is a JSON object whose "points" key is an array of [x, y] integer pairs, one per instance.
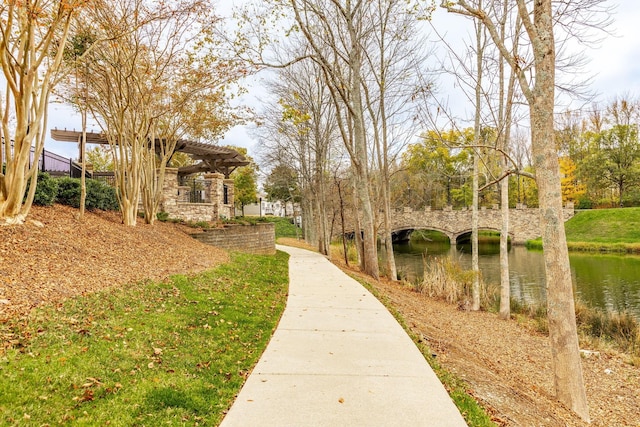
{"points": [[54, 164], [198, 190], [108, 178]]}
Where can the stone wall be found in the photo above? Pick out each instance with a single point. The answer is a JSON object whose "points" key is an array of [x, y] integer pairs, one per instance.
{"points": [[524, 223], [175, 199], [255, 239]]}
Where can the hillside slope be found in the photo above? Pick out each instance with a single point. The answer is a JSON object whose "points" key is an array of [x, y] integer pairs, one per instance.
{"points": [[605, 226], [54, 256]]}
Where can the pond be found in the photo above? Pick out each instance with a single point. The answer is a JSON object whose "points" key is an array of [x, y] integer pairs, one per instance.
{"points": [[608, 282]]}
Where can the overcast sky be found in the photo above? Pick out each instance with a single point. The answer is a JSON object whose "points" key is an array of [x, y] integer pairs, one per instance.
{"points": [[615, 64]]}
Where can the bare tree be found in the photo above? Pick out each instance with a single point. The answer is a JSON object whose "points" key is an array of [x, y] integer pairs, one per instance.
{"points": [[394, 56], [505, 117], [300, 132], [538, 86], [477, 130], [337, 35], [30, 71], [131, 80]]}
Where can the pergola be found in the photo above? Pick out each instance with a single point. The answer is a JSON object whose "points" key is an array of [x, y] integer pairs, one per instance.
{"points": [[212, 158]]}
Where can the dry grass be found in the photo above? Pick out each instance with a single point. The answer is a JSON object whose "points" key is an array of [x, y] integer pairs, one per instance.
{"points": [[296, 243], [444, 279]]}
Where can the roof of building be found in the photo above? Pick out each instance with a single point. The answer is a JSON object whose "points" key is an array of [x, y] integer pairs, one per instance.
{"points": [[213, 158]]}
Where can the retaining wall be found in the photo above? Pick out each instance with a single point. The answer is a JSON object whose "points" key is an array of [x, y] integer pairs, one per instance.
{"points": [[255, 239]]}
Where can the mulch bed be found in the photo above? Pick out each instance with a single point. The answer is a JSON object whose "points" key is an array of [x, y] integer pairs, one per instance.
{"points": [[54, 256]]}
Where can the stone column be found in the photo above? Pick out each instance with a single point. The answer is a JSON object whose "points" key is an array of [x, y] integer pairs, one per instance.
{"points": [[216, 193], [231, 200], [170, 191]]}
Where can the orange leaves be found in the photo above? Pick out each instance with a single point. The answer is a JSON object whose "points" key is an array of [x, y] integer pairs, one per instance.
{"points": [[38, 266]]}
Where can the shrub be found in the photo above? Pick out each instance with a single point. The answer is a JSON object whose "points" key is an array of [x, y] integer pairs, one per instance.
{"points": [[162, 216], [246, 220], [46, 190], [621, 329], [583, 202], [631, 197], [101, 196], [69, 192], [445, 279], [352, 252]]}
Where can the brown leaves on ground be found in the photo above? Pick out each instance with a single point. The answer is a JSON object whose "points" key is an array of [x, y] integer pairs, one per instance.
{"points": [[508, 366], [54, 256]]}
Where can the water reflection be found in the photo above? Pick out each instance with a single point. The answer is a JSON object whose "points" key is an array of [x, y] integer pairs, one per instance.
{"points": [[610, 282]]}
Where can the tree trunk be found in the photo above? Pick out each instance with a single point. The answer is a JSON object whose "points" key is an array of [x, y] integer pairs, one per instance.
{"points": [[475, 303], [392, 270], [505, 285], [83, 160], [505, 115], [568, 379], [361, 168], [357, 225], [475, 267], [321, 222], [620, 191], [344, 239]]}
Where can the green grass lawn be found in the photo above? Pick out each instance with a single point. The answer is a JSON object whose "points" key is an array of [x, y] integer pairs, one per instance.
{"points": [[284, 227], [616, 230], [605, 226], [145, 354]]}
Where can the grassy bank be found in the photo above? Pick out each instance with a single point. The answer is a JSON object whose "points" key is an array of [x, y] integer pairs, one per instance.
{"points": [[606, 230], [153, 353], [284, 227]]}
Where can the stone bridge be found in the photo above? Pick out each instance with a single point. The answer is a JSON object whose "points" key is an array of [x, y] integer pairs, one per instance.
{"points": [[524, 223]]}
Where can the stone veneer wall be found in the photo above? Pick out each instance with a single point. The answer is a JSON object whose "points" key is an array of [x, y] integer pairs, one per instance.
{"points": [[255, 239], [175, 199], [228, 209], [524, 223]]}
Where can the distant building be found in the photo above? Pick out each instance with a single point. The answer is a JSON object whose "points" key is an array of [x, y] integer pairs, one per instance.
{"points": [[267, 208]]}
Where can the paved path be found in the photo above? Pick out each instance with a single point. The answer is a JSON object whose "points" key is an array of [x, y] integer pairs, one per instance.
{"points": [[339, 358]]}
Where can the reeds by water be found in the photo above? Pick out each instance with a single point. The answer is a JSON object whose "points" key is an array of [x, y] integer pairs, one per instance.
{"points": [[446, 280]]}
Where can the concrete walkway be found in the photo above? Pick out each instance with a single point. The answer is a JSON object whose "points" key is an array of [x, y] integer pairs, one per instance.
{"points": [[339, 358]]}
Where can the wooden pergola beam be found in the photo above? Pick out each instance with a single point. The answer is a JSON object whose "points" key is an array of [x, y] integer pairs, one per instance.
{"points": [[213, 157]]}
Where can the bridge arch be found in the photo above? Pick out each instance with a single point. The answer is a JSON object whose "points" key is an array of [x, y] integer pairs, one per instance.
{"points": [[468, 232], [524, 223], [403, 232]]}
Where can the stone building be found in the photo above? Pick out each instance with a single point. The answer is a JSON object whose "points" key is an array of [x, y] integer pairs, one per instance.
{"points": [[197, 198], [202, 191]]}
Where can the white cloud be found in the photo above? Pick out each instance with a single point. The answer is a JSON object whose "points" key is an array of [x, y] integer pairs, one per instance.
{"points": [[616, 61]]}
